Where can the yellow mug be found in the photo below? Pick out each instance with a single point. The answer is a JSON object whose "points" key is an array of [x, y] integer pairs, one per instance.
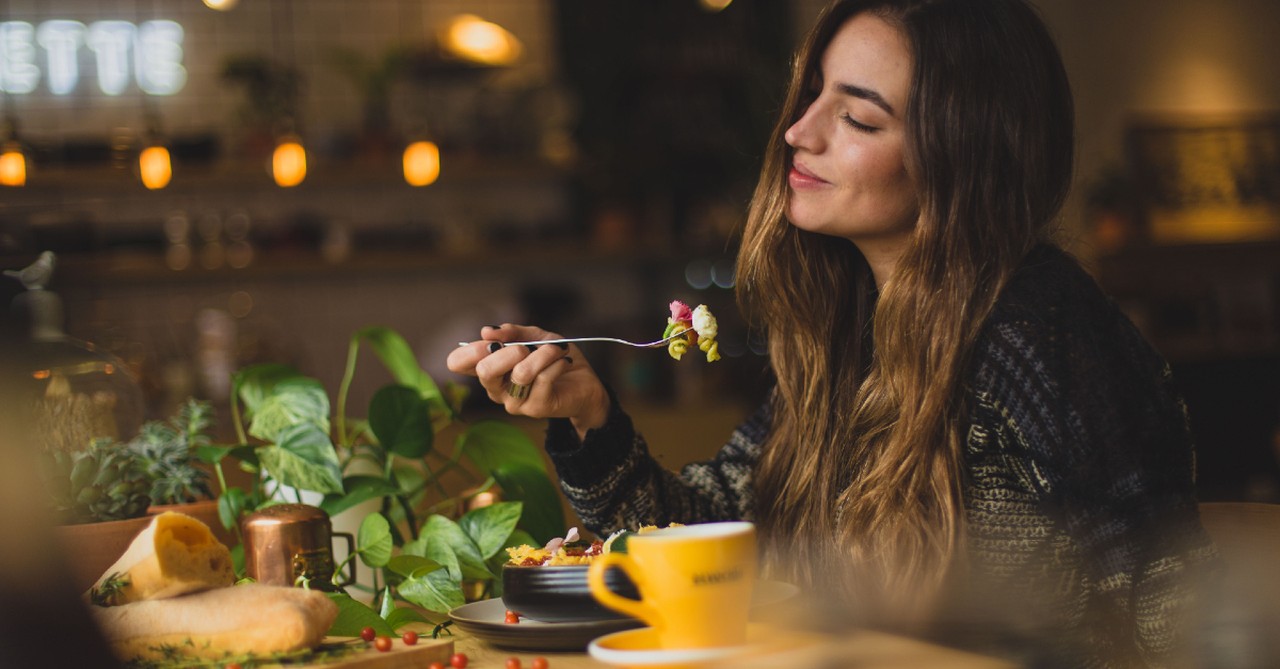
{"points": [[695, 582]]}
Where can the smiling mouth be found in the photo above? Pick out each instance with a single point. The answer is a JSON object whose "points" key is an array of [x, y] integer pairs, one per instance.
{"points": [[799, 177]]}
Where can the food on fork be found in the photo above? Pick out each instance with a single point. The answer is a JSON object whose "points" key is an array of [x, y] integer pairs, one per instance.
{"points": [[700, 329]]}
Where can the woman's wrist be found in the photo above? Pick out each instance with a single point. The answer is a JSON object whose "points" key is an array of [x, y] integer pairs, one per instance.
{"points": [[595, 415]]}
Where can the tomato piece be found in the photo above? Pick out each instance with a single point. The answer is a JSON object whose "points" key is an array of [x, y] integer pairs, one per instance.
{"points": [[382, 643], [512, 618], [368, 633], [410, 638], [458, 661], [436, 665], [233, 665], [539, 663], [513, 663]]}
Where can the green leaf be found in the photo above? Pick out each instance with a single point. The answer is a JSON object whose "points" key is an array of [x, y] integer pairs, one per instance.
{"points": [[489, 526], [388, 604], [231, 504], [403, 615], [304, 458], [401, 420], [212, 455], [439, 529], [437, 551], [399, 359], [292, 402], [254, 383], [412, 566], [490, 444], [437, 591], [543, 516], [359, 489], [373, 540], [354, 616], [408, 479]]}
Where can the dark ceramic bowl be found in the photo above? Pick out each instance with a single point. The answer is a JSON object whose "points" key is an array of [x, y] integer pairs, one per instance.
{"points": [[560, 594]]}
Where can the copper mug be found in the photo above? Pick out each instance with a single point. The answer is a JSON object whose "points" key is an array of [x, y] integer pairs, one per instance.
{"points": [[288, 544]]}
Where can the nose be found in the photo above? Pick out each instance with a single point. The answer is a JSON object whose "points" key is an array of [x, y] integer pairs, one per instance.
{"points": [[803, 134]]}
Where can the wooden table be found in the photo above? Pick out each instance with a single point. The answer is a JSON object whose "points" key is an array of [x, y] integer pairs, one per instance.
{"points": [[863, 649]]}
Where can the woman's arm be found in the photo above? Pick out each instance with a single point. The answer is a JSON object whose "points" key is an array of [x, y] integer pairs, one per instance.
{"points": [[613, 482]]}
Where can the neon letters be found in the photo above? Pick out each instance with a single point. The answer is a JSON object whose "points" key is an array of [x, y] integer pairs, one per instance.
{"points": [[150, 52]]}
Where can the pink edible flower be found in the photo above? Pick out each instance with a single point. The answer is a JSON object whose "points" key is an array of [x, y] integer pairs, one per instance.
{"points": [[680, 312]]}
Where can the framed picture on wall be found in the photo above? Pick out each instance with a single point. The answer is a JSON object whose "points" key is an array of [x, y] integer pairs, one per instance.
{"points": [[1207, 179]]}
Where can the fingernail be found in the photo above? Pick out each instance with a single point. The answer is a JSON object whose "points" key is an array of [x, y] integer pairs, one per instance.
{"points": [[494, 346], [564, 346], [567, 360], [531, 347], [495, 327]]}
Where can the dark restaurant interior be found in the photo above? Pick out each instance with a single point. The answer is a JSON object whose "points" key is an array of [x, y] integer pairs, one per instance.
{"points": [[576, 164]]}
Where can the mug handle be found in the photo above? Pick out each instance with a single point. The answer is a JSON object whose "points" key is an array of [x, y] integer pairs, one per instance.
{"points": [[602, 593], [351, 563]]}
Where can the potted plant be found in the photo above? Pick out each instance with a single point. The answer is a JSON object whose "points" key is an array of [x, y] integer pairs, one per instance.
{"points": [[420, 545], [169, 454], [100, 497]]}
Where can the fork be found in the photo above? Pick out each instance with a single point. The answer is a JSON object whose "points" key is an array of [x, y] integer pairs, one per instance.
{"points": [[579, 340]]}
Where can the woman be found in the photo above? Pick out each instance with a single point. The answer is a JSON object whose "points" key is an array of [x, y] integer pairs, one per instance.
{"points": [[962, 424]]}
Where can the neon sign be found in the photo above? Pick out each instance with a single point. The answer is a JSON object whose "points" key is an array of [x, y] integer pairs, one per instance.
{"points": [[155, 48]]}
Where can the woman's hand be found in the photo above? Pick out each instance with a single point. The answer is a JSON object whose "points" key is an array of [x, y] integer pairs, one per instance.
{"points": [[551, 381]]}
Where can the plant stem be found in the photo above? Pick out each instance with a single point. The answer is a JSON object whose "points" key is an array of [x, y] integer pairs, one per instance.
{"points": [[235, 417], [408, 515], [353, 349]]}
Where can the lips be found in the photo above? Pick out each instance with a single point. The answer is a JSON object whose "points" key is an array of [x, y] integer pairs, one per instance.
{"points": [[800, 177]]}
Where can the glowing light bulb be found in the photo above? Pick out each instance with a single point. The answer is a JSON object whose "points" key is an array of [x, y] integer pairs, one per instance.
{"points": [[472, 38], [220, 5], [289, 163], [421, 163], [154, 167], [13, 166], [714, 5]]}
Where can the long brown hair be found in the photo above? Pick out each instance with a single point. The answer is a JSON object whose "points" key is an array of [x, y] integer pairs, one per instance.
{"points": [[859, 485]]}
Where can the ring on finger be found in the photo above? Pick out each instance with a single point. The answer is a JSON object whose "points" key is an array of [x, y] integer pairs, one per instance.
{"points": [[518, 390]]}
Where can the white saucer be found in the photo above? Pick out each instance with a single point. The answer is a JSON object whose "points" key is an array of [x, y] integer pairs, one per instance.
{"points": [[639, 648]]}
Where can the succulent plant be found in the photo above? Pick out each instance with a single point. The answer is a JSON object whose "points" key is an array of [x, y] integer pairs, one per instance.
{"points": [[104, 482], [167, 450]]}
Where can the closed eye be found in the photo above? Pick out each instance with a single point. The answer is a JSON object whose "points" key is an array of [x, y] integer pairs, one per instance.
{"points": [[859, 126]]}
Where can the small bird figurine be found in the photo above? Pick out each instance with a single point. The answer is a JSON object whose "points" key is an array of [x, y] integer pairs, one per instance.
{"points": [[36, 275]]}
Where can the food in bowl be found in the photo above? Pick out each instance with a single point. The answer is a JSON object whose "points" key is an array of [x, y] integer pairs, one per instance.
{"points": [[549, 584]]}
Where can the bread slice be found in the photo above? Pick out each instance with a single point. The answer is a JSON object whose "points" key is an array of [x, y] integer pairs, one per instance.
{"points": [[251, 619], [175, 555]]}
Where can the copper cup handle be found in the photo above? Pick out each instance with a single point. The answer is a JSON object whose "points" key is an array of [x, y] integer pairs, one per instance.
{"points": [[351, 559]]}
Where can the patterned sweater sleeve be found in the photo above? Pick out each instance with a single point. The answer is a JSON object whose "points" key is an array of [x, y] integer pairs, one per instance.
{"points": [[1101, 430], [613, 482]]}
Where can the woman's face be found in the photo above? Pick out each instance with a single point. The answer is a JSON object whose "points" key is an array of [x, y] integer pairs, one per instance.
{"points": [[848, 176]]}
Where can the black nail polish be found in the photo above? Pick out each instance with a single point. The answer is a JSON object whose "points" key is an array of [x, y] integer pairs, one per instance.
{"points": [[567, 360], [494, 346], [564, 346], [531, 347], [495, 327]]}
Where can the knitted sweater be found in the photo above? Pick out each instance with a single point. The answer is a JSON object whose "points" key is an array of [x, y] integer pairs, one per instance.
{"points": [[1081, 524]]}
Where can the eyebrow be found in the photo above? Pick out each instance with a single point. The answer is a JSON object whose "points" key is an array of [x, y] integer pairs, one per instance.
{"points": [[868, 95]]}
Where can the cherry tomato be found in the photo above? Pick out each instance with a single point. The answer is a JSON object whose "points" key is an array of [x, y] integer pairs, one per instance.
{"points": [[233, 665], [539, 663], [513, 663], [458, 661], [512, 618], [382, 643], [368, 633], [410, 638], [436, 665]]}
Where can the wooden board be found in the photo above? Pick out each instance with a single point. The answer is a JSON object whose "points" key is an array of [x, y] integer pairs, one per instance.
{"points": [[400, 656]]}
